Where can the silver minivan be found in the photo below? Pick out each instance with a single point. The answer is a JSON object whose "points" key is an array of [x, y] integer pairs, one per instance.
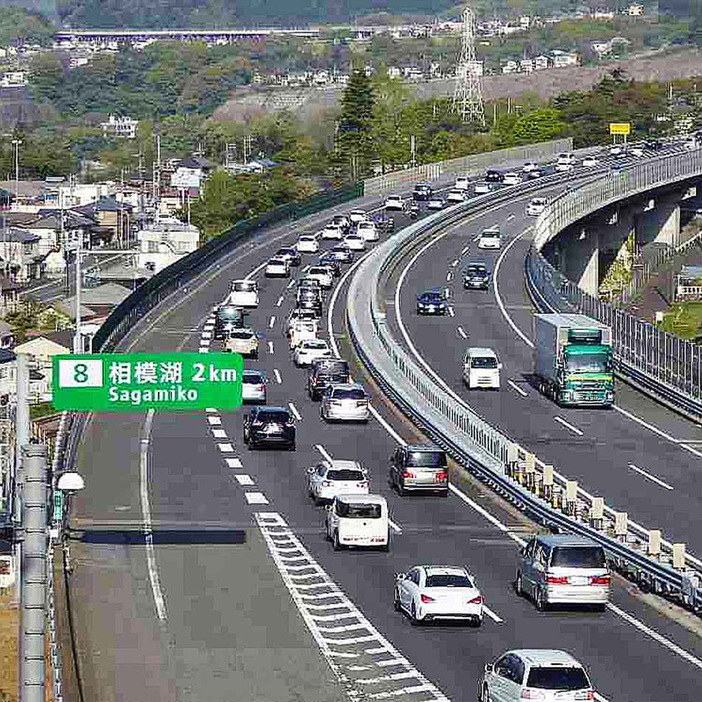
{"points": [[562, 569]]}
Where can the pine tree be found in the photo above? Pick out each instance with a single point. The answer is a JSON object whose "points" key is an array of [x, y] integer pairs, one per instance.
{"points": [[354, 139]]}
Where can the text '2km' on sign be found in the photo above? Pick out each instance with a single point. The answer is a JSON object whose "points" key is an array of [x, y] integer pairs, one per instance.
{"points": [[115, 382]]}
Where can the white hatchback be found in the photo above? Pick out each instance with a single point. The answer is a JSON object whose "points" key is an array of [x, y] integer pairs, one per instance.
{"points": [[490, 239], [356, 216], [368, 231], [328, 479], [456, 196], [310, 350], [512, 178], [302, 330], [590, 162], [536, 206], [277, 268], [358, 520], [243, 293], [323, 275], [355, 242], [428, 593], [307, 244], [462, 182], [482, 188], [347, 402], [332, 231], [394, 202]]}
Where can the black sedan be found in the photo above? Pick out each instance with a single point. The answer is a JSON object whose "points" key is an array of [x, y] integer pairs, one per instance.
{"points": [[422, 191], [327, 259], [269, 426], [432, 302], [476, 277]]}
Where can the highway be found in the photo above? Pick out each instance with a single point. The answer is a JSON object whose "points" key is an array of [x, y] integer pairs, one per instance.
{"points": [[212, 619]]}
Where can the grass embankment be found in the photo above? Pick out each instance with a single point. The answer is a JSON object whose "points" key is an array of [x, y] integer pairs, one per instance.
{"points": [[684, 319]]}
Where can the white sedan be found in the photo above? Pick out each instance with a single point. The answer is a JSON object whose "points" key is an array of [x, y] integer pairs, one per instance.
{"points": [[530, 166], [394, 202], [356, 242], [310, 350], [307, 244], [368, 231], [512, 178], [277, 268], [536, 206], [356, 216], [482, 188], [328, 479], [590, 162], [456, 196], [332, 231], [462, 182], [323, 275], [427, 593]]}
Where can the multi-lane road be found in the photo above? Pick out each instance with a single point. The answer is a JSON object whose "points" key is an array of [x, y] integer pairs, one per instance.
{"points": [[211, 616]]}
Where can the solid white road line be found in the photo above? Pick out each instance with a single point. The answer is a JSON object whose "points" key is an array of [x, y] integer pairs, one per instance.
{"points": [[395, 527], [290, 284], [278, 379], [271, 322], [270, 347], [244, 479], [462, 333], [568, 425], [293, 409], [650, 476], [159, 600], [516, 387], [256, 498], [324, 452]]}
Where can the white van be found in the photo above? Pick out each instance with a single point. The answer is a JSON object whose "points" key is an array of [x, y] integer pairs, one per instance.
{"points": [[244, 293], [358, 520], [481, 368]]}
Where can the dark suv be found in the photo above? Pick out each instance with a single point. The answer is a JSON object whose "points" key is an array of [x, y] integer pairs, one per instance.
{"points": [[269, 426], [476, 276], [227, 318], [323, 372], [419, 468], [492, 176], [310, 300], [422, 191]]}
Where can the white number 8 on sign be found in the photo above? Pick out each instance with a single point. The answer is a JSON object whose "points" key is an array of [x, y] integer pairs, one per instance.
{"points": [[80, 374]]}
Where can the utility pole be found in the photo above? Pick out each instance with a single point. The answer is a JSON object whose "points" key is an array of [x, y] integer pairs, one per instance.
{"points": [[16, 143], [468, 94], [21, 438], [157, 177], [77, 339], [34, 570]]}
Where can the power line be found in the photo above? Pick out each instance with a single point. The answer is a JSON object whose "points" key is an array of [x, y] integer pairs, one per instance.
{"points": [[468, 94]]}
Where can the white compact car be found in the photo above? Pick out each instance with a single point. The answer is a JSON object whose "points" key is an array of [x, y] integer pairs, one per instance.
{"points": [[347, 402], [298, 315], [536, 206], [307, 244], [456, 196], [512, 178], [243, 341], [436, 203], [636, 151], [367, 230], [328, 479], [310, 350], [616, 150], [428, 593], [332, 231], [323, 274], [482, 188], [356, 242], [253, 386], [590, 162], [277, 268], [481, 368], [490, 238], [530, 166], [243, 293], [356, 216], [535, 674], [358, 520], [394, 202], [566, 161], [302, 330], [462, 182]]}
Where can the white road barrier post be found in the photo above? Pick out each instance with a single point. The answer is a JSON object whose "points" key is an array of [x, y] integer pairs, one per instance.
{"points": [[679, 556], [621, 525], [654, 543], [548, 483], [571, 501], [597, 513]]}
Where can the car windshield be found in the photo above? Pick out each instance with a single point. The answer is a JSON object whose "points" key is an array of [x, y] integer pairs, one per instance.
{"points": [[345, 474], [476, 270], [349, 394], [241, 334], [274, 416], [483, 362], [448, 580], [332, 368], [276, 262], [252, 378], [578, 557], [229, 313], [426, 459], [490, 235], [570, 678], [433, 296], [244, 286], [318, 271], [306, 326], [588, 363], [315, 344], [358, 511], [284, 252]]}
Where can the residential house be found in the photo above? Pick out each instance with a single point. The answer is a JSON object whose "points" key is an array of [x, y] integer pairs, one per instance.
{"points": [[120, 127], [9, 295], [475, 68], [191, 172], [635, 10], [8, 375], [526, 66], [164, 243], [260, 165], [540, 63], [562, 59], [13, 79], [79, 194], [41, 350], [20, 257], [30, 195], [78, 61], [7, 336], [601, 48], [60, 230], [112, 217], [394, 72], [603, 14], [413, 73], [510, 67], [321, 78]]}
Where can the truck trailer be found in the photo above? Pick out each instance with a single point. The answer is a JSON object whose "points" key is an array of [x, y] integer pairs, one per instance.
{"points": [[573, 359]]}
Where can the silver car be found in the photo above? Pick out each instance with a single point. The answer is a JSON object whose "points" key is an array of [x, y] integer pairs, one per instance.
{"points": [[347, 402], [328, 479], [253, 386], [243, 341]]}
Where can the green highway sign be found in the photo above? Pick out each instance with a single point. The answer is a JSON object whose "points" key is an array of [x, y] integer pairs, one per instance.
{"points": [[116, 382]]}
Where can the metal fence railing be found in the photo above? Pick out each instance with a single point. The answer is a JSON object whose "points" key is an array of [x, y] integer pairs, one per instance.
{"points": [[535, 487]]}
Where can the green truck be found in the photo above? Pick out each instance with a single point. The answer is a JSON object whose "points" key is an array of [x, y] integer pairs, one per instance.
{"points": [[573, 359]]}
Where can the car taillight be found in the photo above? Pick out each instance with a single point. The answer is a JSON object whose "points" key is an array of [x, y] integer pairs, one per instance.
{"points": [[426, 598], [557, 579], [408, 474], [260, 388], [585, 695], [326, 483], [361, 403], [363, 484], [600, 580], [529, 694], [336, 402], [476, 600], [442, 475]]}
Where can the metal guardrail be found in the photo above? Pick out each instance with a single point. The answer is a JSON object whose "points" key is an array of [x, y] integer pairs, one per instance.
{"points": [[470, 165], [519, 476], [661, 364]]}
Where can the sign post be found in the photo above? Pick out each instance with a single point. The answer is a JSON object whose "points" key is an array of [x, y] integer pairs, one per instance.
{"points": [[116, 382], [623, 128]]}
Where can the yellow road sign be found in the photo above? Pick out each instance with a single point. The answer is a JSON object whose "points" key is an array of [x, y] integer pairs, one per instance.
{"points": [[620, 128]]}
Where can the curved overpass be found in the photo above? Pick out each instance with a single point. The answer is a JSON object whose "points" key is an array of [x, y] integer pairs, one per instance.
{"points": [[208, 618]]}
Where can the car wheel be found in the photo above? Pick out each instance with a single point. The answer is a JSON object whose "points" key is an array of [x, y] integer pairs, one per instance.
{"points": [[396, 601], [336, 545], [291, 447], [401, 490], [444, 493], [413, 617], [477, 623], [250, 443], [518, 587], [541, 604]]}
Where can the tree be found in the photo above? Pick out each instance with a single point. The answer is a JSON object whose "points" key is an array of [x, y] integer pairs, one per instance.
{"points": [[539, 125], [354, 138]]}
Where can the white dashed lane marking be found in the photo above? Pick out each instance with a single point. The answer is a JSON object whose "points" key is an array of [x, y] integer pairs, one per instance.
{"points": [[650, 476], [226, 448], [219, 434], [293, 409], [568, 425], [256, 498], [270, 347], [233, 462], [278, 379], [214, 420], [323, 451], [244, 479], [462, 333], [516, 387], [271, 323]]}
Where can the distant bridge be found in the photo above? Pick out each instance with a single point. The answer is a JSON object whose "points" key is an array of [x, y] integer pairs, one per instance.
{"points": [[140, 35]]}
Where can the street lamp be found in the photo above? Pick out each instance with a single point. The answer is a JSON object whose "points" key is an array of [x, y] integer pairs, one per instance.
{"points": [[69, 484]]}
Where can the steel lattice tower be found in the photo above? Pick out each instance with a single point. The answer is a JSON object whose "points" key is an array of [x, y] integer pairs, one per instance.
{"points": [[468, 94]]}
